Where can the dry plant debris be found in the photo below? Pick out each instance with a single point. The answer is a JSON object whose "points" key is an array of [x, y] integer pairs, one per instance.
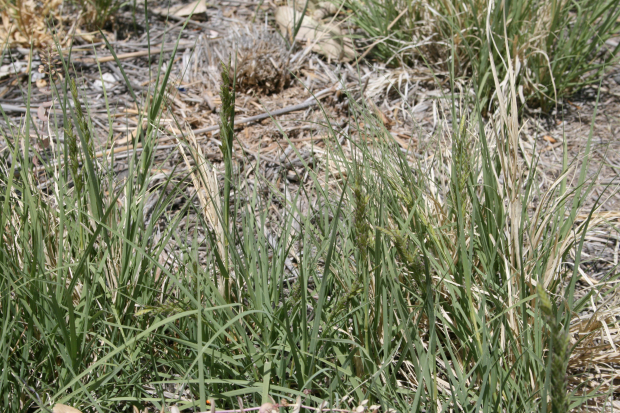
{"points": [[259, 56], [260, 62], [326, 39], [26, 22]]}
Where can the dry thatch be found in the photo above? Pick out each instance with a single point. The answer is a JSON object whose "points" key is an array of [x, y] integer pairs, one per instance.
{"points": [[26, 22], [259, 56]]}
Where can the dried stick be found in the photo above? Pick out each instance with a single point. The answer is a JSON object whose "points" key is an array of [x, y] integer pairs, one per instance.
{"points": [[308, 103], [103, 59]]}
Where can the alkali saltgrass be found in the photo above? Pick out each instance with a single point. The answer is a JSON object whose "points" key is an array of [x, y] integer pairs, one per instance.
{"points": [[414, 287]]}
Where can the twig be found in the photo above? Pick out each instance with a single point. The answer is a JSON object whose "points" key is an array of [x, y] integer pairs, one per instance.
{"points": [[13, 108], [293, 108], [262, 116], [103, 59], [34, 110]]}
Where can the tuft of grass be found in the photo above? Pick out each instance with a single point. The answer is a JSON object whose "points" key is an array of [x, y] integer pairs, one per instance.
{"points": [[558, 46], [410, 286], [559, 353], [98, 13]]}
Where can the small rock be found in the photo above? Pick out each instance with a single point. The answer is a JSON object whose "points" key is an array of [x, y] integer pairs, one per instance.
{"points": [[108, 80], [617, 79]]}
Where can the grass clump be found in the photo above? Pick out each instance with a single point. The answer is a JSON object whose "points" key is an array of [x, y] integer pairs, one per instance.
{"points": [[97, 13], [413, 286], [559, 45]]}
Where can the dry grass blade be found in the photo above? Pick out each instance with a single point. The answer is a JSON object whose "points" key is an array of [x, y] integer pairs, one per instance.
{"points": [[205, 183]]}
